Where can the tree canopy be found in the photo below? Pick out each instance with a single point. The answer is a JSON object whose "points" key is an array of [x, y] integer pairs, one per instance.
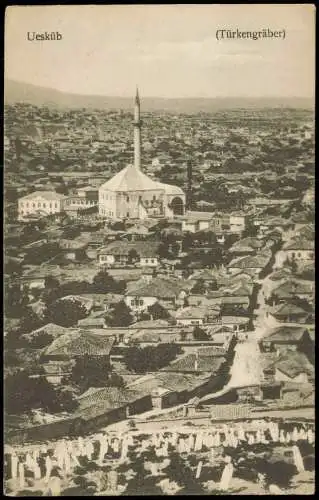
{"points": [[66, 312], [150, 358], [119, 315]]}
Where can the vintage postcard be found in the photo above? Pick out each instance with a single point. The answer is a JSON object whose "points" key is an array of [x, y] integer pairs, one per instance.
{"points": [[159, 250]]}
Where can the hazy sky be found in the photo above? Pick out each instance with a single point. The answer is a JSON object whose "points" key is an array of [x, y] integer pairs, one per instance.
{"points": [[168, 50]]}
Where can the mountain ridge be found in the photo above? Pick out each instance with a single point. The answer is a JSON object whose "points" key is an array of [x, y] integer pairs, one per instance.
{"points": [[15, 91]]}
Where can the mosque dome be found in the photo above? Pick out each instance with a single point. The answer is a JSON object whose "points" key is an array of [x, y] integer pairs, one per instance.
{"points": [[131, 178]]}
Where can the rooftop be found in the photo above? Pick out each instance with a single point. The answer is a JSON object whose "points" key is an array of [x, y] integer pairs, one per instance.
{"points": [[132, 179]]}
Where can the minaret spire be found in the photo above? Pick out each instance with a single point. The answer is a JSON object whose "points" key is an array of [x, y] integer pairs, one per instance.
{"points": [[137, 97], [137, 131]]}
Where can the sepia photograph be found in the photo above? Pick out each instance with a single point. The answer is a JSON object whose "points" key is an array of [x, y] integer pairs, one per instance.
{"points": [[159, 261]]}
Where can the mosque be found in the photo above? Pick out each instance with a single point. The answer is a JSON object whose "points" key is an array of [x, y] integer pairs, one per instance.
{"points": [[131, 194]]}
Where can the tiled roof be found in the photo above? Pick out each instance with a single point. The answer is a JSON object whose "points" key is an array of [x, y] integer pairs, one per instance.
{"points": [[286, 333], [299, 244], [187, 363], [235, 320], [211, 351], [161, 288], [293, 363], [286, 308], [194, 312], [247, 243], [142, 248], [47, 195], [204, 274], [150, 324], [239, 300], [176, 382], [79, 343], [85, 301], [108, 397], [252, 262], [294, 287], [283, 273], [74, 244], [92, 321], [50, 329]]}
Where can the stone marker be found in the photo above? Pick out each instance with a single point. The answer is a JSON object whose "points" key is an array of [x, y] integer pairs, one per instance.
{"points": [[116, 445], [21, 476], [154, 469], [89, 450], [14, 465], [310, 436], [55, 486], [191, 442], [112, 480], [282, 438], [37, 471], [226, 477], [67, 463], [81, 445], [298, 459], [48, 467], [124, 450], [199, 469], [241, 434]]}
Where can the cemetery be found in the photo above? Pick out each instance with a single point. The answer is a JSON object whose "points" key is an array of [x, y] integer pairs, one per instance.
{"points": [[266, 454]]}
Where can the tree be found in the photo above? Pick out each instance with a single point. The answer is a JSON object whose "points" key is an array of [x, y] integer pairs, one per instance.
{"points": [[157, 311], [40, 341], [103, 283], [91, 371], [66, 312], [180, 472], [51, 282], [119, 315], [200, 334], [23, 394], [29, 321], [183, 335], [16, 300], [146, 359], [199, 287]]}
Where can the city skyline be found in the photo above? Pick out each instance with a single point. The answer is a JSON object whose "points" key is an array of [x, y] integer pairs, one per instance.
{"points": [[143, 43]]}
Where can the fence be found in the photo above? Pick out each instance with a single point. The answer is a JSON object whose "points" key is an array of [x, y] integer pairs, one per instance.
{"points": [[230, 412]]}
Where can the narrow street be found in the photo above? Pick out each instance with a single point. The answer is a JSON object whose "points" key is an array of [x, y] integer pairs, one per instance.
{"points": [[246, 369]]}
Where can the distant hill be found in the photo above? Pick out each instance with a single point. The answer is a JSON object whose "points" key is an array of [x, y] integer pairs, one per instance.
{"points": [[41, 96]]}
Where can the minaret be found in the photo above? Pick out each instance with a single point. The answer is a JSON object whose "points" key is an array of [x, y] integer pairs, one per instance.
{"points": [[137, 132]]}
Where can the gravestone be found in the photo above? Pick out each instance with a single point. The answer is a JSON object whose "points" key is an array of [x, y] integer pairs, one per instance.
{"points": [[226, 477], [48, 467], [298, 459], [21, 472], [112, 480], [14, 465], [54, 486], [199, 469]]}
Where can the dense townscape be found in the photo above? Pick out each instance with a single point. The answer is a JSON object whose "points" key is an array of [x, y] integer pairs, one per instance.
{"points": [[159, 301]]}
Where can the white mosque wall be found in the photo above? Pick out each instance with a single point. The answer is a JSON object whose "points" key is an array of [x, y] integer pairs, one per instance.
{"points": [[107, 203], [128, 203]]}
